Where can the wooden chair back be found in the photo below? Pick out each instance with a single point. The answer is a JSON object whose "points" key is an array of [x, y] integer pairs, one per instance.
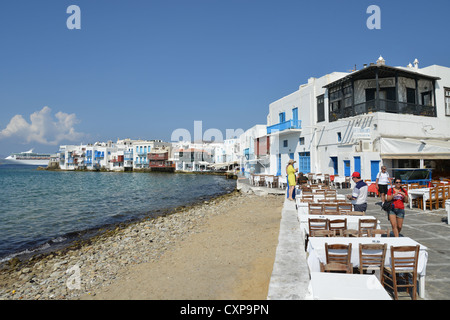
{"points": [[315, 224], [371, 257], [336, 267], [382, 232], [404, 261], [338, 253], [315, 208], [366, 224], [338, 225]]}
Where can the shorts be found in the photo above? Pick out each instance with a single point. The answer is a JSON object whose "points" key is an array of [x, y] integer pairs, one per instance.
{"points": [[400, 213], [382, 188], [360, 207]]}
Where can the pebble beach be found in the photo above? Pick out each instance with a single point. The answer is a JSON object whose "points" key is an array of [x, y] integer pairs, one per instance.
{"points": [[86, 268]]}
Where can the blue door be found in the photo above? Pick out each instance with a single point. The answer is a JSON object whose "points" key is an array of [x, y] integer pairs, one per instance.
{"points": [[295, 115], [358, 164], [347, 168], [335, 165], [374, 169], [304, 162], [282, 117]]}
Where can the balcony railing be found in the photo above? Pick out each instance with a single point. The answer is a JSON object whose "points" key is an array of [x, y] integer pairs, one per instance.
{"points": [[286, 125], [390, 106]]}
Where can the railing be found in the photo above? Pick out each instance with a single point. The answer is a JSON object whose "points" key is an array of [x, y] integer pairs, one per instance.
{"points": [[389, 106], [286, 125]]}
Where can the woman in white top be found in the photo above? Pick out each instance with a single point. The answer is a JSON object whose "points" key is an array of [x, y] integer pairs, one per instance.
{"points": [[382, 182]]}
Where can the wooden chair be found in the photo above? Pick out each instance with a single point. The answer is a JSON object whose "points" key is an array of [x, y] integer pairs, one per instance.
{"points": [[347, 182], [432, 201], [382, 232], [330, 195], [344, 207], [338, 226], [330, 208], [371, 257], [355, 213], [326, 179], [315, 224], [440, 196], [336, 267], [323, 233], [315, 208], [338, 253], [366, 224], [350, 233], [336, 183], [404, 261]]}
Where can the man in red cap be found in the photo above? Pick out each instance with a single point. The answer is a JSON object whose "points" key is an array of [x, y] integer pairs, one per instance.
{"points": [[359, 193]]}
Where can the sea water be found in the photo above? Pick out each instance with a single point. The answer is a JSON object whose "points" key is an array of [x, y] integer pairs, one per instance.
{"points": [[43, 209]]}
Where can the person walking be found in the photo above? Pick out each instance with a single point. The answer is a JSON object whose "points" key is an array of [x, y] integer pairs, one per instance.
{"points": [[290, 172], [382, 182], [396, 213], [359, 193]]}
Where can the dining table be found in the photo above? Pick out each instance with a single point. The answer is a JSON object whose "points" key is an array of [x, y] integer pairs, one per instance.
{"points": [[352, 221], [423, 193], [302, 207], [316, 252], [344, 286]]}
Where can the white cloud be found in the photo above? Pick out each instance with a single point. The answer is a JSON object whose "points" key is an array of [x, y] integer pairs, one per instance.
{"points": [[43, 128]]}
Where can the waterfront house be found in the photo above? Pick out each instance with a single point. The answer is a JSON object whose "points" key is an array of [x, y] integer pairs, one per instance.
{"points": [[378, 115], [255, 150]]}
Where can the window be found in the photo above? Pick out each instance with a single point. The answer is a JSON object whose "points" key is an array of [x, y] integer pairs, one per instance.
{"points": [[285, 143], [447, 101], [426, 98], [320, 108], [411, 95], [339, 137], [301, 141]]}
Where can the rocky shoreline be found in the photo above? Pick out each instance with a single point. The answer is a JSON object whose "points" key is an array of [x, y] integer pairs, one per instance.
{"points": [[82, 268]]}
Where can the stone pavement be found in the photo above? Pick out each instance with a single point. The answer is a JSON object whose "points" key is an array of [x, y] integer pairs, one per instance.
{"points": [[430, 229], [290, 276]]}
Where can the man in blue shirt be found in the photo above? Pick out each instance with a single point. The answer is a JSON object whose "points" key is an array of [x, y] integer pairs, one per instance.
{"points": [[359, 193]]}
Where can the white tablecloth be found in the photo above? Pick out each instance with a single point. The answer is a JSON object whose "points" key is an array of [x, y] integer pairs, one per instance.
{"points": [[423, 193], [338, 286], [316, 251], [352, 221], [298, 199]]}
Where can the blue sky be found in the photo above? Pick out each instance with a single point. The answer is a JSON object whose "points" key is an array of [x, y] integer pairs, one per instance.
{"points": [[143, 68]]}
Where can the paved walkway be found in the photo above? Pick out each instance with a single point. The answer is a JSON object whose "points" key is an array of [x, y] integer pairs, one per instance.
{"points": [[290, 276]]}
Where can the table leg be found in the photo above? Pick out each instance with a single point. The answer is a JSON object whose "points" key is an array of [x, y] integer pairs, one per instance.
{"points": [[422, 287]]}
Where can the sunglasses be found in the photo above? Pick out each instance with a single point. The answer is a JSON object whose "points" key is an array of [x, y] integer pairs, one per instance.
{"points": [[398, 182]]}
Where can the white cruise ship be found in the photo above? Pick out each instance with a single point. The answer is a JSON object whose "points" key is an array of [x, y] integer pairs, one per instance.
{"points": [[29, 158]]}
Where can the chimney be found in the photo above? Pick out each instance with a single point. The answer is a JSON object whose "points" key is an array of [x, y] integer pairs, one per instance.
{"points": [[416, 64]]}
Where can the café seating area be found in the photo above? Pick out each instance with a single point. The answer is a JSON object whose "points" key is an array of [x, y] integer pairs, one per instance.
{"points": [[344, 246]]}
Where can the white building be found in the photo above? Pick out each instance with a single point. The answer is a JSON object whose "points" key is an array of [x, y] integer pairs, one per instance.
{"points": [[379, 115], [255, 150]]}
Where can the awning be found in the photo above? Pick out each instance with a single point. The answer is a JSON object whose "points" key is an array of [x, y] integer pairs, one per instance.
{"points": [[414, 149], [223, 164]]}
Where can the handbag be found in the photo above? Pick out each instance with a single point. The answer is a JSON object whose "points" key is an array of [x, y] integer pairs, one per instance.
{"points": [[387, 205]]}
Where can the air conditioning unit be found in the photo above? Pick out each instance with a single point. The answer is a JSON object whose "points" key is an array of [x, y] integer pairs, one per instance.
{"points": [[366, 146]]}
